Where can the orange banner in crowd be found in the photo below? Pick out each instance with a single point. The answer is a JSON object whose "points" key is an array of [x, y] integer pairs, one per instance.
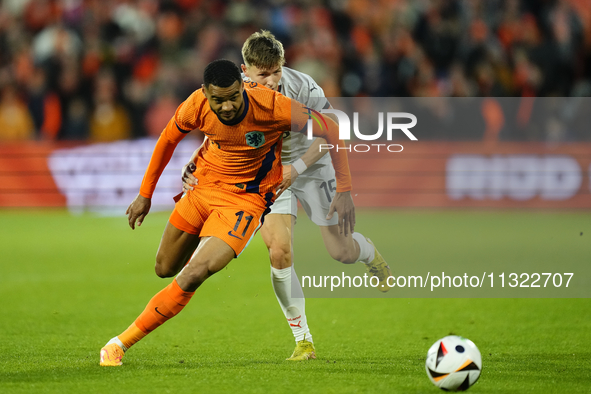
{"points": [[25, 179], [424, 174]]}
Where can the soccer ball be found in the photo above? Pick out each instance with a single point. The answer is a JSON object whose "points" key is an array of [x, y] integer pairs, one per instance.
{"points": [[453, 363]]}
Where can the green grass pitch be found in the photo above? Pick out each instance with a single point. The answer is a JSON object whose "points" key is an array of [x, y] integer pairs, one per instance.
{"points": [[70, 283]]}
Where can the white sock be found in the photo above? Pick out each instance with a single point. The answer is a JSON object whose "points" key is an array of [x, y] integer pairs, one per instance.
{"points": [[294, 309], [118, 342], [366, 251]]}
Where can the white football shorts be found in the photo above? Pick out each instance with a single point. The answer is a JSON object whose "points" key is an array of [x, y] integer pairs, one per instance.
{"points": [[314, 189]]}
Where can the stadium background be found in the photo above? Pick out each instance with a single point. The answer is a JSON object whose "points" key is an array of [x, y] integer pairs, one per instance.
{"points": [[86, 86]]}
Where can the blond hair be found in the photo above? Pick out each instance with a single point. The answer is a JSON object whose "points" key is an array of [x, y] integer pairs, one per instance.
{"points": [[263, 51]]}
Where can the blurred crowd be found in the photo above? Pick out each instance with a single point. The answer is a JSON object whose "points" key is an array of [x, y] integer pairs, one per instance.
{"points": [[103, 70]]}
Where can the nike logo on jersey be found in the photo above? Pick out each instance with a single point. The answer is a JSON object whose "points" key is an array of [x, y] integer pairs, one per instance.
{"points": [[232, 235]]}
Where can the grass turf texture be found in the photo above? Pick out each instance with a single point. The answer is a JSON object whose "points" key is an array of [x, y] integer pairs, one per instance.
{"points": [[70, 283]]}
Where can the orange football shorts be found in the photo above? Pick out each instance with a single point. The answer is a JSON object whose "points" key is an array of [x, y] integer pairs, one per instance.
{"points": [[231, 217]]}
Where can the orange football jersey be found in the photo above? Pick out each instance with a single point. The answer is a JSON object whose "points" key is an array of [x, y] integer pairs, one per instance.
{"points": [[243, 155]]}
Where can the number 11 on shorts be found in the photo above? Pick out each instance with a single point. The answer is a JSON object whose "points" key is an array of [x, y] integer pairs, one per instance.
{"points": [[248, 219]]}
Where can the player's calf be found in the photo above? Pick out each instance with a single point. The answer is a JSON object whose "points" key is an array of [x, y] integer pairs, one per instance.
{"points": [[345, 255]]}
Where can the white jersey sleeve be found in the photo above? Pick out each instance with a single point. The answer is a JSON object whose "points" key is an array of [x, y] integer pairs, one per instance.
{"points": [[303, 88]]}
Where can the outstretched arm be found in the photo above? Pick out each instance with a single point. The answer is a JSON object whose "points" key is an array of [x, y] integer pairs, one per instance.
{"points": [[342, 204], [291, 172], [297, 117], [183, 121], [163, 151], [140, 207]]}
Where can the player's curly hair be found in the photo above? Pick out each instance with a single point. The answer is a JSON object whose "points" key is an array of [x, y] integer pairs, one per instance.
{"points": [[263, 51], [221, 73]]}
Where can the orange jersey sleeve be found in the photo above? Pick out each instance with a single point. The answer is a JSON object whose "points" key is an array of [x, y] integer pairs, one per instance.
{"points": [[184, 121]]}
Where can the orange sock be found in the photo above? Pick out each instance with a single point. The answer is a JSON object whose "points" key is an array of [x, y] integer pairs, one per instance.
{"points": [[130, 336], [163, 306]]}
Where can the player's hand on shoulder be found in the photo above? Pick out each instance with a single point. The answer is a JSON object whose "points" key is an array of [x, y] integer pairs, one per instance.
{"points": [[137, 210], [189, 180], [289, 177], [342, 204]]}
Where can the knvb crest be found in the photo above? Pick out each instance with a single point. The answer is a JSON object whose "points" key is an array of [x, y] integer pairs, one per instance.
{"points": [[255, 139]]}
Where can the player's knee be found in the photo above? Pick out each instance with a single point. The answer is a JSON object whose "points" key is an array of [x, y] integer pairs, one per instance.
{"points": [[164, 268], [164, 271], [280, 254]]}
